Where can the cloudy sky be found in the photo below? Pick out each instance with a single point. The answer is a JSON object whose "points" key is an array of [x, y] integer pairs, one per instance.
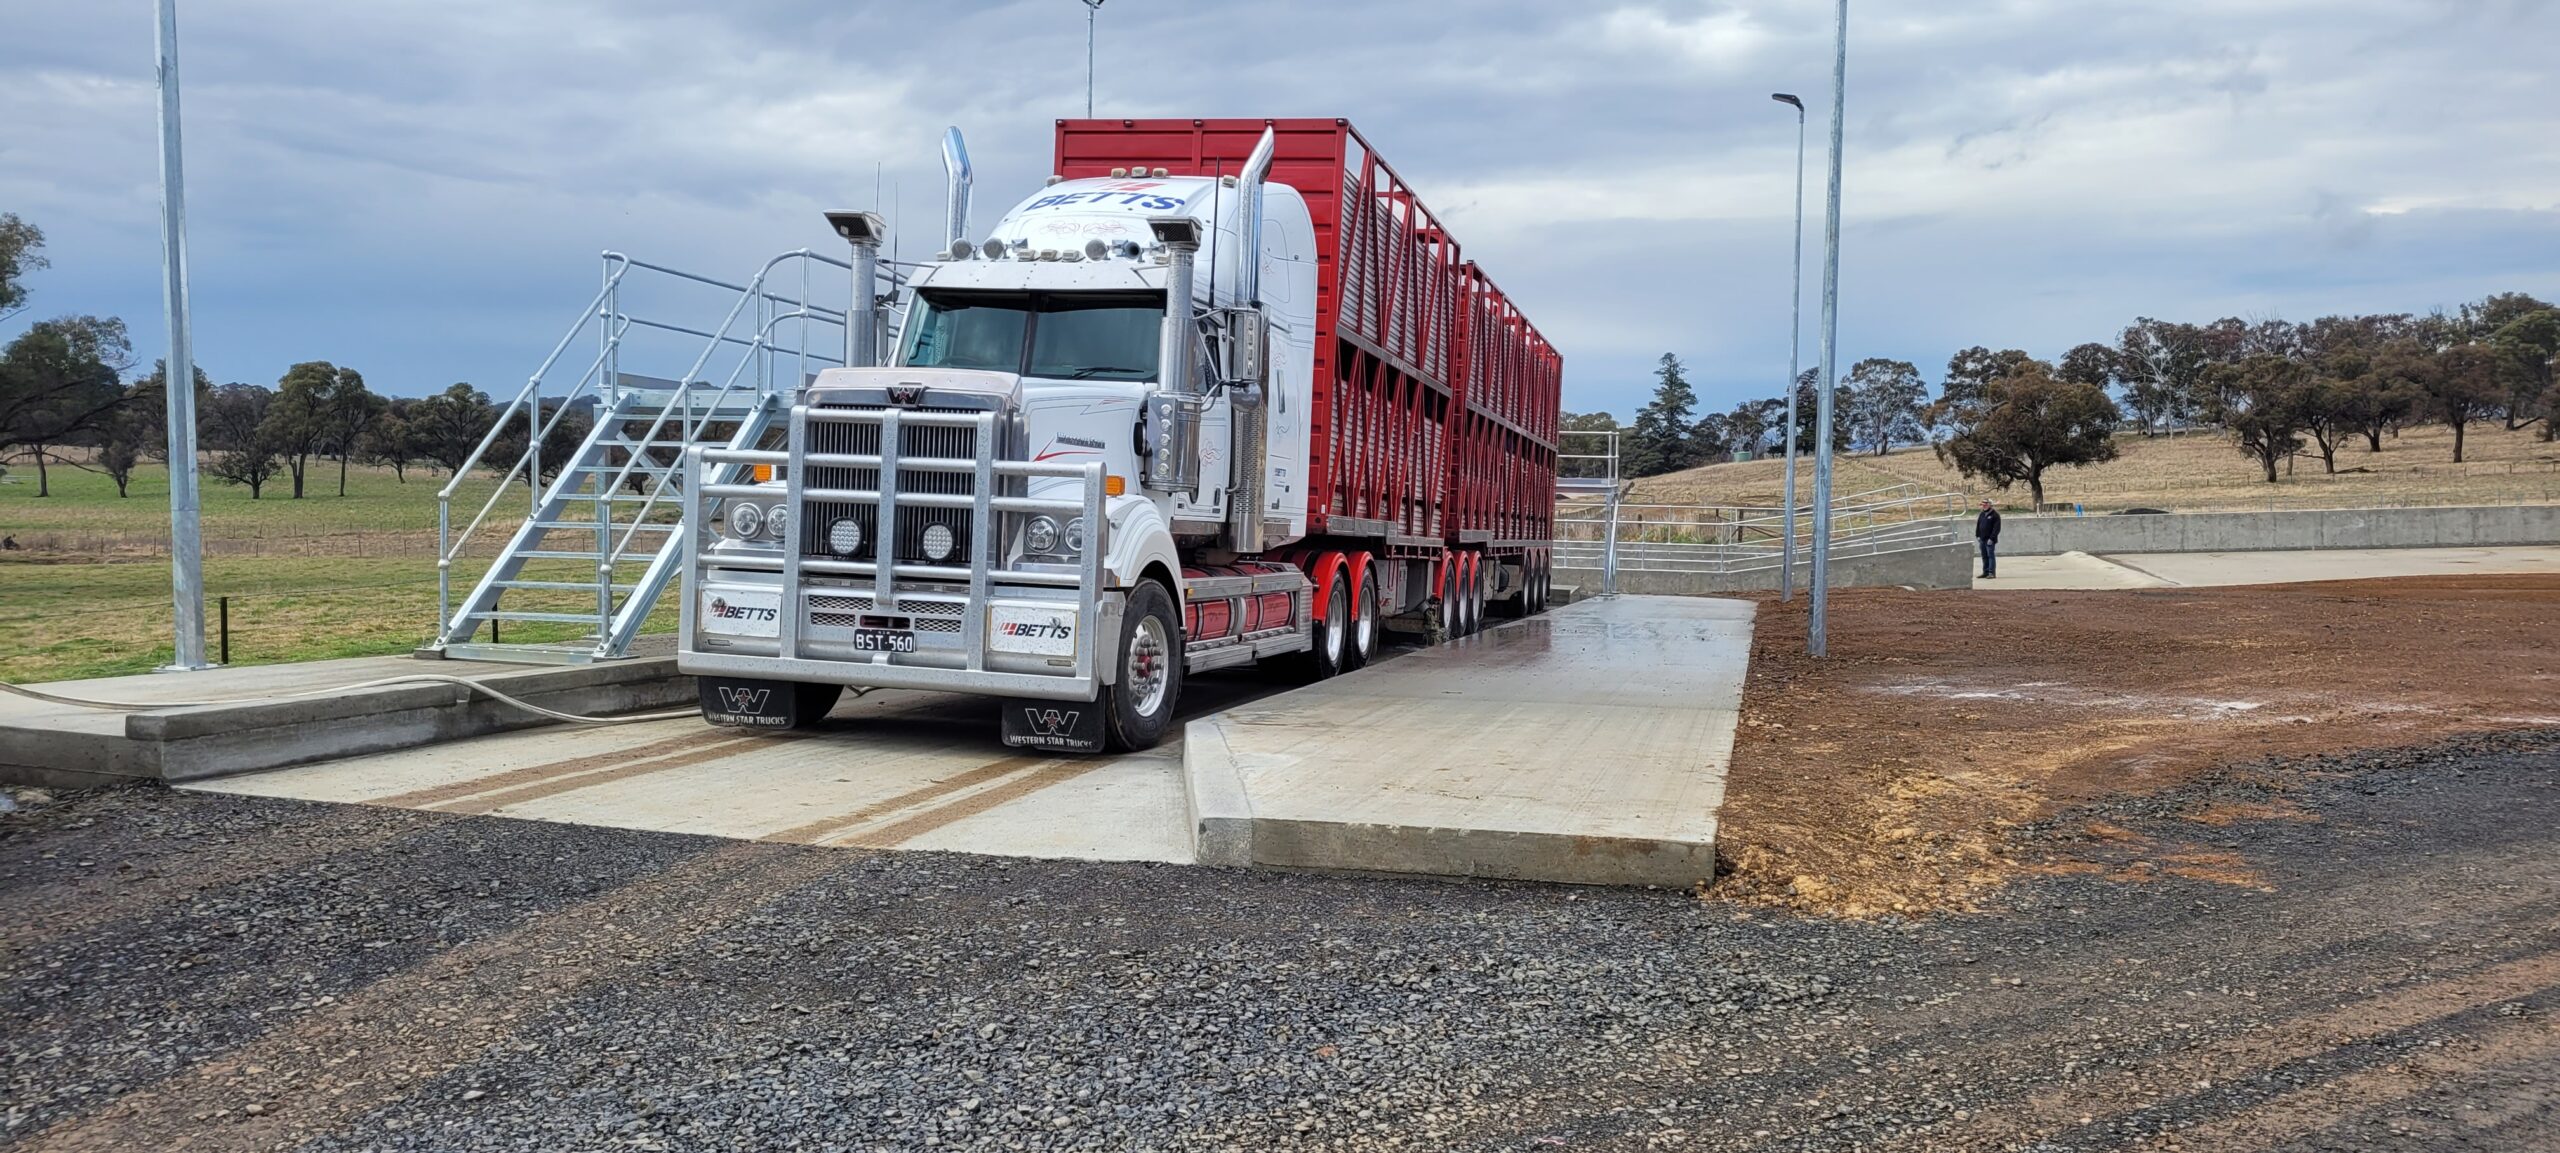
{"points": [[420, 189]]}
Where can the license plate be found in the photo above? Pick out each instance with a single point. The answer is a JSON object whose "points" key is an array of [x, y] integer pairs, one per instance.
{"points": [[883, 641]]}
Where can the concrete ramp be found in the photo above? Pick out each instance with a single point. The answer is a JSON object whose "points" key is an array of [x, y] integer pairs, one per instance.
{"points": [[1587, 745]]}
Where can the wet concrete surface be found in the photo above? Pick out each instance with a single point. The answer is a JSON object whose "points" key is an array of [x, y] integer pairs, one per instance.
{"points": [[2353, 953]]}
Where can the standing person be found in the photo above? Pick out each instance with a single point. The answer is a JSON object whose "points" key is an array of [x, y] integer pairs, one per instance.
{"points": [[1986, 532]]}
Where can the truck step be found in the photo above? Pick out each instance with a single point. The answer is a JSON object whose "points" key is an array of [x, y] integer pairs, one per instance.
{"points": [[560, 586], [616, 526]]}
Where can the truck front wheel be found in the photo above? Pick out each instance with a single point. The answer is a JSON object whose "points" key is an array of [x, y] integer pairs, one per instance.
{"points": [[1140, 705]]}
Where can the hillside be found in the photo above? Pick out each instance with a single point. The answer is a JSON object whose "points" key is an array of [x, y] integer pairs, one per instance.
{"points": [[2197, 470]]}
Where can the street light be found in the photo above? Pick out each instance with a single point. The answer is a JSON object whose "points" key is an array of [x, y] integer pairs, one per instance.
{"points": [[1090, 7], [1817, 642], [178, 377], [1795, 343]]}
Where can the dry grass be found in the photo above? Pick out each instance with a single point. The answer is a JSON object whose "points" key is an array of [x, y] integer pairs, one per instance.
{"points": [[2196, 471]]}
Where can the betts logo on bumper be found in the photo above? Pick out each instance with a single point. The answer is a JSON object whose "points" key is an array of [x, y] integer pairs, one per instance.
{"points": [[1036, 631], [742, 613]]}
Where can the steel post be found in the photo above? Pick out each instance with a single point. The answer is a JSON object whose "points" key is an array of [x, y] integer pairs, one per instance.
{"points": [[1795, 347], [1817, 640], [186, 541]]}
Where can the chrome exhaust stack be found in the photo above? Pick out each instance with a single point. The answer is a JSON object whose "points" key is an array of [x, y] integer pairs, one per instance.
{"points": [[1248, 362], [1173, 410], [955, 169]]}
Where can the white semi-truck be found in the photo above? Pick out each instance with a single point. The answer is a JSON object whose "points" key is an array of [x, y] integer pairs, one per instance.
{"points": [[1107, 450]]}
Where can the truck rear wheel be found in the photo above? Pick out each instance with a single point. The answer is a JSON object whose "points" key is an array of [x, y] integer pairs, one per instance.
{"points": [[1331, 654], [1138, 707], [1363, 646]]}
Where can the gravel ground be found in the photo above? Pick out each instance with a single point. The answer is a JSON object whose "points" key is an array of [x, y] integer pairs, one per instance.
{"points": [[2355, 953]]}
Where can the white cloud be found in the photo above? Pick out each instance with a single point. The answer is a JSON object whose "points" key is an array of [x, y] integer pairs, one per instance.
{"points": [[420, 187]]}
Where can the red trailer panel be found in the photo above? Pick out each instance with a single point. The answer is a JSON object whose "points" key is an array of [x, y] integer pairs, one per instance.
{"points": [[1404, 327]]}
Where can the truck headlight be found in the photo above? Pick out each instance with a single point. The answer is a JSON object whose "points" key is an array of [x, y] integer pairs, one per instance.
{"points": [[776, 519], [745, 518], [938, 542], [1041, 536], [1075, 536], [844, 537]]}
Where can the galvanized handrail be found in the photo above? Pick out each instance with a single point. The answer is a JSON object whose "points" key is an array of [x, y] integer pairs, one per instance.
{"points": [[772, 309]]}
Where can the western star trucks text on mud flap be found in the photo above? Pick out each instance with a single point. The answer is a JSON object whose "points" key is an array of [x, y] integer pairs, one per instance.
{"points": [[1084, 467]]}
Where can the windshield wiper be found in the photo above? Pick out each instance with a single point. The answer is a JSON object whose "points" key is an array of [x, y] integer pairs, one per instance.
{"points": [[1087, 373]]}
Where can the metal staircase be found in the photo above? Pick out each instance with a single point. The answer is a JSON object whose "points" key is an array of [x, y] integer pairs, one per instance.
{"points": [[600, 537]]}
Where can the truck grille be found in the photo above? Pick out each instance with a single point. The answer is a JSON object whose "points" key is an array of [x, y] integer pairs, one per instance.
{"points": [[912, 522]]}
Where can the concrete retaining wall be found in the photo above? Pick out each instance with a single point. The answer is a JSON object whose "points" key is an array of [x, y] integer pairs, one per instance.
{"points": [[1946, 566], [2461, 527]]}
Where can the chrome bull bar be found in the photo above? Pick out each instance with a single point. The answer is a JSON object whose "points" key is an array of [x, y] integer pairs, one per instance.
{"points": [[995, 514]]}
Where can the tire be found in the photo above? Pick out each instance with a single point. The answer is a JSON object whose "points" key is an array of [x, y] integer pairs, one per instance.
{"points": [[812, 702], [1138, 706], [1331, 656], [1364, 622], [1462, 594]]}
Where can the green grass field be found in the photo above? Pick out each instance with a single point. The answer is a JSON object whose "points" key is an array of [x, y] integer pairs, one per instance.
{"points": [[87, 592]]}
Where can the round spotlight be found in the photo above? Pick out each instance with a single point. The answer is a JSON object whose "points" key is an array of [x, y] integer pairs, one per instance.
{"points": [[938, 541], [1075, 535], [1095, 249], [993, 248], [844, 537], [744, 519], [776, 519], [1041, 535], [960, 249]]}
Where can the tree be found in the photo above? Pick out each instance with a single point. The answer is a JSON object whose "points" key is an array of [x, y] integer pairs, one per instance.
{"points": [[2460, 385], [350, 409], [2529, 349], [150, 405], [305, 414], [1660, 442], [60, 381], [1748, 425], [2158, 367], [126, 437], [1971, 371], [237, 429], [1809, 416], [2262, 399], [2092, 364], [19, 241], [446, 427], [562, 432], [2028, 422], [1884, 399], [389, 441]]}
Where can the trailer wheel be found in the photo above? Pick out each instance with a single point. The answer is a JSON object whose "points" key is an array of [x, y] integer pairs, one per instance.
{"points": [[1138, 708], [1331, 654], [1364, 622], [1464, 594]]}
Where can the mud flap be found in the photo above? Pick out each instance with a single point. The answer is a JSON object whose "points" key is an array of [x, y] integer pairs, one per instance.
{"points": [[1063, 726], [749, 704]]}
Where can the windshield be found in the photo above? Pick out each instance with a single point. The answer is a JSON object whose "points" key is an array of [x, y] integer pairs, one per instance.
{"points": [[1063, 335]]}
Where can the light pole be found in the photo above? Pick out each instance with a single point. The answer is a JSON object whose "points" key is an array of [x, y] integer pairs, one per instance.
{"points": [[1795, 349], [1816, 641], [1090, 8], [178, 377]]}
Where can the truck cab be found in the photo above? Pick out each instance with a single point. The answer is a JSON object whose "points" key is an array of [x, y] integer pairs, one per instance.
{"points": [[1091, 423]]}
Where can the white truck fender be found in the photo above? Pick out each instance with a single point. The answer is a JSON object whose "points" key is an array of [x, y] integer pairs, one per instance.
{"points": [[1139, 537]]}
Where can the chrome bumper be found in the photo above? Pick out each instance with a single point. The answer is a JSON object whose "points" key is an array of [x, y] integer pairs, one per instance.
{"points": [[987, 627]]}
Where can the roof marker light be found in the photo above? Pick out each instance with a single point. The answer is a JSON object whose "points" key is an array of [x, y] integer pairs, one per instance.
{"points": [[1117, 173], [1160, 174]]}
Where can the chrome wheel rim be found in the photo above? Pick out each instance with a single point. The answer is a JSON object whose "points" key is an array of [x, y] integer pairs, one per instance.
{"points": [[1149, 668], [1333, 630], [1367, 622]]}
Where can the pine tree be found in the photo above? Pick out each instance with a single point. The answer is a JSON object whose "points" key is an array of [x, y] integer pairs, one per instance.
{"points": [[1663, 439]]}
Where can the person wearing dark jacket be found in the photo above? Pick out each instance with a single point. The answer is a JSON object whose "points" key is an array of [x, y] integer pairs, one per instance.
{"points": [[1986, 532]]}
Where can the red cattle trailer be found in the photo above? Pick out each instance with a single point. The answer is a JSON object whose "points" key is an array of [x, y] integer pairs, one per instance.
{"points": [[1433, 438]]}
